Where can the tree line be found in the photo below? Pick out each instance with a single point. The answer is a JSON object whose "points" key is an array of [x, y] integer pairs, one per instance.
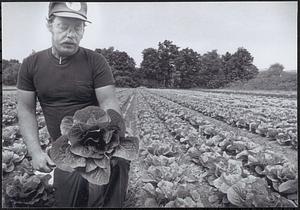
{"points": [[168, 66], [171, 67]]}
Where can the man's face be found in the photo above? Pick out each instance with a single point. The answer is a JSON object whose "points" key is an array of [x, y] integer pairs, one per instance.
{"points": [[66, 35]]}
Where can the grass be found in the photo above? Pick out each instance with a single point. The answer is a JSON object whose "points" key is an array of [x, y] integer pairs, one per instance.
{"points": [[286, 81]]}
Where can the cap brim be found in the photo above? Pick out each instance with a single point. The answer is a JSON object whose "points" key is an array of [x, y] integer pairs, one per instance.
{"points": [[71, 15]]}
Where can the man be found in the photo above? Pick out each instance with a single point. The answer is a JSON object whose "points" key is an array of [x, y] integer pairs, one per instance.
{"points": [[66, 78]]}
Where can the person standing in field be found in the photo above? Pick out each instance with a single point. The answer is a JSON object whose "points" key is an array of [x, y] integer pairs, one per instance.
{"points": [[66, 78]]}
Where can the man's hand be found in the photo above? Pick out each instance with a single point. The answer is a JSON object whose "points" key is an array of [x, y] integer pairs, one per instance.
{"points": [[42, 162], [26, 106]]}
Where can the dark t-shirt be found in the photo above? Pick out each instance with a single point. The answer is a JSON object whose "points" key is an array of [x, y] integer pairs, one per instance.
{"points": [[64, 88]]}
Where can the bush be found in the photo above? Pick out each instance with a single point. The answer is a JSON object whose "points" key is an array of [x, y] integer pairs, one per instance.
{"points": [[10, 73]]}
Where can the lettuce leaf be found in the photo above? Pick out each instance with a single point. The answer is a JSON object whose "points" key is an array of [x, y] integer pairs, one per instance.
{"points": [[289, 187], [77, 132], [236, 195], [114, 141], [99, 176], [91, 115], [86, 151], [103, 162], [117, 121], [9, 134], [150, 202], [150, 189], [90, 165], [108, 135], [165, 189], [7, 156], [66, 125], [63, 158], [128, 148]]}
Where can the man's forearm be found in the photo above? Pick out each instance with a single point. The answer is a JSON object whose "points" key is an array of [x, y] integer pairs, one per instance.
{"points": [[111, 104], [29, 130]]}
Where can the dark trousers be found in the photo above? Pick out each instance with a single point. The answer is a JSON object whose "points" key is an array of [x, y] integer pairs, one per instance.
{"points": [[71, 190]]}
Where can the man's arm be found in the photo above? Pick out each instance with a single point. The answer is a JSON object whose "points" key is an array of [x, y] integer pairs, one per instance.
{"points": [[26, 107], [107, 98]]}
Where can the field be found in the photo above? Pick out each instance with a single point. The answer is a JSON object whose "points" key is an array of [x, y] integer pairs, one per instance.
{"points": [[198, 148]]}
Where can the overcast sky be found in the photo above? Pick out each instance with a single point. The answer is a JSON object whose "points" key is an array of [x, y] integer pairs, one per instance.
{"points": [[268, 30]]}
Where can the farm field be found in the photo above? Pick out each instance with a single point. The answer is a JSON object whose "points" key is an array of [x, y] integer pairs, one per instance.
{"points": [[197, 149], [275, 93]]}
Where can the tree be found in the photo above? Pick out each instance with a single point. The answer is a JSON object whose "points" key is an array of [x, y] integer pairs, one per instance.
{"points": [[188, 65], [228, 66], [167, 53], [238, 66], [139, 78], [211, 74], [122, 65], [275, 69], [150, 67], [170, 67]]}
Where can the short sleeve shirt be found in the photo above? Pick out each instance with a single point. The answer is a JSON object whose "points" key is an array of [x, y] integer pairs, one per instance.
{"points": [[64, 88]]}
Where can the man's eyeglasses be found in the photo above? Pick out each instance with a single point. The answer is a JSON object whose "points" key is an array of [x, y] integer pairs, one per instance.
{"points": [[78, 28]]}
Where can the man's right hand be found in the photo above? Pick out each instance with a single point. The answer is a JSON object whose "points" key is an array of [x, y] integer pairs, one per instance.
{"points": [[42, 162]]}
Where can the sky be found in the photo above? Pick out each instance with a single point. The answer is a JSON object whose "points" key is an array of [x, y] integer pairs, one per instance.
{"points": [[268, 30]]}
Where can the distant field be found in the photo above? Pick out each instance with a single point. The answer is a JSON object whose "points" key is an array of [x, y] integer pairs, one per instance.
{"points": [[274, 93], [286, 81]]}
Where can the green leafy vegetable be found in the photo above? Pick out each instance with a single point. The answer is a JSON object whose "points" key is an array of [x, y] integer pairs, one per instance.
{"points": [[103, 162], [90, 115], [90, 165], [26, 190], [86, 151], [289, 187], [90, 138], [63, 158], [98, 176], [127, 149], [66, 125]]}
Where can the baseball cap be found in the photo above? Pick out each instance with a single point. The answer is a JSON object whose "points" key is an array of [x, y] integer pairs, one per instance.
{"points": [[69, 9]]}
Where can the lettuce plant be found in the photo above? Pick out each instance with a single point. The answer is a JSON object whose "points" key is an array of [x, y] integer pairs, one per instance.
{"points": [[89, 140], [25, 190]]}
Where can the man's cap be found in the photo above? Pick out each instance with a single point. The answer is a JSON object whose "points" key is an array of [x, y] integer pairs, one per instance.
{"points": [[69, 9]]}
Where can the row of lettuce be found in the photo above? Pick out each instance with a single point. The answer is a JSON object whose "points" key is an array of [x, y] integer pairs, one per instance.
{"points": [[21, 186], [271, 117], [244, 173], [167, 178]]}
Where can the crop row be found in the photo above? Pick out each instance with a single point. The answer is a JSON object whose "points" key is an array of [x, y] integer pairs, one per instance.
{"points": [[264, 93], [220, 152], [240, 100], [16, 162], [9, 106], [9, 109], [276, 124], [168, 179], [124, 97], [253, 103]]}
